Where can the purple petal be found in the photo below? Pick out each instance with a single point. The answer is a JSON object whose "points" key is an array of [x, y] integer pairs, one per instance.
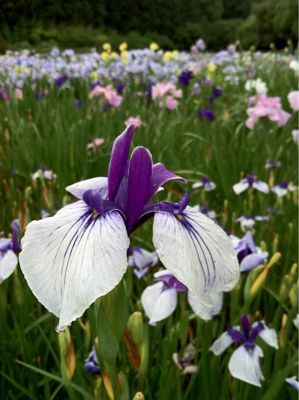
{"points": [[236, 335], [248, 238], [245, 324], [161, 175], [252, 261], [256, 331], [118, 160], [139, 184]]}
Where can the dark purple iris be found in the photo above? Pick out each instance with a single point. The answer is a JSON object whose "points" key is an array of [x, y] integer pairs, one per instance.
{"points": [[78, 103], [149, 91], [61, 80], [185, 77], [283, 185], [246, 335], [13, 243], [170, 282], [206, 113], [94, 84], [217, 91], [132, 183], [119, 87]]}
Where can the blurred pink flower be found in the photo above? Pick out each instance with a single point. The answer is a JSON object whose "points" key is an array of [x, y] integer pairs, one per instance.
{"points": [[293, 98], [269, 107], [136, 121], [95, 144], [168, 93], [110, 95], [19, 94]]}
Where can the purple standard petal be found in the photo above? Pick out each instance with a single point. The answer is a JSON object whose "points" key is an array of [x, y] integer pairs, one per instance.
{"points": [[118, 160], [245, 324], [236, 335], [139, 184], [259, 327], [252, 261], [161, 175]]}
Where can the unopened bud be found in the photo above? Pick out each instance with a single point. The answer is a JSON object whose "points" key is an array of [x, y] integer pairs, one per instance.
{"points": [[138, 396], [67, 355]]}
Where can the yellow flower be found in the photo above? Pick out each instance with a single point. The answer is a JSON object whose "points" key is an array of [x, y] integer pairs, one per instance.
{"points": [[113, 55], [107, 47], [123, 47], [175, 53], [105, 56], [124, 57], [94, 75], [154, 46], [211, 68], [167, 56]]}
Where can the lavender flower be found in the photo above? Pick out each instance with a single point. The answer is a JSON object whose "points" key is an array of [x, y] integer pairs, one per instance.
{"points": [[249, 255], [185, 362], [141, 260], [247, 223], [270, 164], [8, 250], [82, 249], [250, 181], [205, 183], [92, 363], [244, 362]]}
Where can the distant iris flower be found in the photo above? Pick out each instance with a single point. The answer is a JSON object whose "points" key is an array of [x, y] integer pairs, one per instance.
{"points": [[244, 362], [61, 80], [141, 260], [250, 181], [160, 300], [185, 77], [247, 223], [80, 253], [204, 183], [206, 113], [45, 173], [204, 209], [282, 188], [270, 164], [249, 255], [92, 363], [8, 250], [186, 363]]}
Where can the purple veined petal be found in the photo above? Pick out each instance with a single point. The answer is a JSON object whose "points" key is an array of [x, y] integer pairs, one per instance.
{"points": [[221, 344], [170, 281], [261, 186], [241, 186], [252, 261], [200, 309], [245, 365], [268, 335], [99, 184], [292, 381], [72, 258], [196, 251], [118, 160], [158, 303], [162, 175], [139, 184], [8, 263]]}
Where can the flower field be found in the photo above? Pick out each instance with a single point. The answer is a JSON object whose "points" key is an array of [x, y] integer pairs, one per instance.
{"points": [[176, 276]]}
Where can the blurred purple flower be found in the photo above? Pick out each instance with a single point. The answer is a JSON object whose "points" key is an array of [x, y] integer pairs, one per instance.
{"points": [[92, 363], [250, 181], [185, 77], [205, 183], [141, 260], [206, 113]]}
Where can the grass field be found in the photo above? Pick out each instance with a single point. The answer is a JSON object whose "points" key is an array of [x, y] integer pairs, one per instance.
{"points": [[50, 122]]}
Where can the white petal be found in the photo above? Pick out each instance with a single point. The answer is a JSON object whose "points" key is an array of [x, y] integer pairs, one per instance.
{"points": [[72, 258], [293, 382], [197, 251], [268, 335], [94, 184], [296, 321], [280, 192], [158, 304], [221, 344], [241, 186], [202, 310], [261, 186], [197, 185], [8, 264], [245, 365]]}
